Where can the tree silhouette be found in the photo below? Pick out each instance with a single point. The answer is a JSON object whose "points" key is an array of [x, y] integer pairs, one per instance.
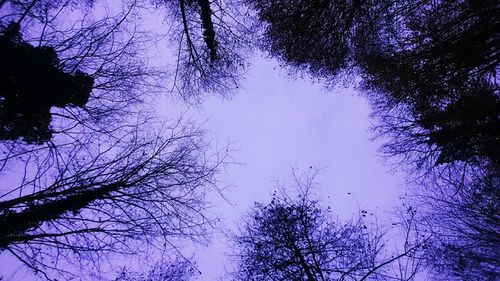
{"points": [[296, 239], [461, 214], [85, 178], [438, 107], [107, 199], [211, 40], [107, 180], [441, 75], [32, 83]]}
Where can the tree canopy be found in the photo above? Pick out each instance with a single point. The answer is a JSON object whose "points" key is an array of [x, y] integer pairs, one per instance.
{"points": [[294, 238]]}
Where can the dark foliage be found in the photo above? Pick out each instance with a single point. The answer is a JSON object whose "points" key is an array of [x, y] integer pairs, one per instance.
{"points": [[467, 128], [445, 72], [31, 83], [462, 215], [318, 36]]}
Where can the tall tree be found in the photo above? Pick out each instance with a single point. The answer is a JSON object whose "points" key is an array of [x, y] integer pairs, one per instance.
{"points": [[107, 179], [296, 239], [211, 41], [107, 199], [461, 214], [439, 76]]}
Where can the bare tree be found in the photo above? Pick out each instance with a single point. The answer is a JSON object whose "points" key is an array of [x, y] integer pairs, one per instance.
{"points": [[142, 191], [460, 212], [296, 239], [212, 40], [110, 180]]}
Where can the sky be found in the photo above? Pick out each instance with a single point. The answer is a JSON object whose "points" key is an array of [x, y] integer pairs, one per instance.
{"points": [[276, 124]]}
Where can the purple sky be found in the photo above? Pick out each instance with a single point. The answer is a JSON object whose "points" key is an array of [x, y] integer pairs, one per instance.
{"points": [[276, 123]]}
